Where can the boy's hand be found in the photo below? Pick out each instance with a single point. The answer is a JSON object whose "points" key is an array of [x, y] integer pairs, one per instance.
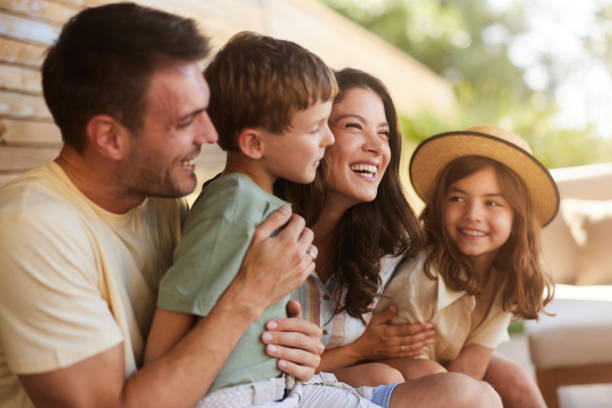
{"points": [[295, 342]]}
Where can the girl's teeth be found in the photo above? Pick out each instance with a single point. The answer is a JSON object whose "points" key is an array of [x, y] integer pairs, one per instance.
{"points": [[473, 233]]}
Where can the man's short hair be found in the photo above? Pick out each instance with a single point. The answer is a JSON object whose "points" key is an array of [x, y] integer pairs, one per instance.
{"points": [[103, 61], [260, 81]]}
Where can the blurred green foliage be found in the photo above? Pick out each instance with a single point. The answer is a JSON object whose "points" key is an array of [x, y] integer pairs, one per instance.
{"points": [[516, 327], [450, 37]]}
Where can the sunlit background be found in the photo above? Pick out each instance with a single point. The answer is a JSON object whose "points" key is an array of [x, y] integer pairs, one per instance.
{"points": [[539, 67]]}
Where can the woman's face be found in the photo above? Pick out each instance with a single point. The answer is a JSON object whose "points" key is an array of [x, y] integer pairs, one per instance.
{"points": [[359, 157]]}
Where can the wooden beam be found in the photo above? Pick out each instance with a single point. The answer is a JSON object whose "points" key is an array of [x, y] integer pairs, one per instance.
{"points": [[21, 53], [550, 379], [25, 132], [80, 4], [40, 10], [5, 178], [25, 29], [18, 159], [19, 106], [20, 79]]}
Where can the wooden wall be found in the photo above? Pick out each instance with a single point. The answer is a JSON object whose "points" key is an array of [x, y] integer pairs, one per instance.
{"points": [[28, 136]]}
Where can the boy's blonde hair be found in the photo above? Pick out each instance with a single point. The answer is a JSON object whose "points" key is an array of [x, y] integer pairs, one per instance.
{"points": [[260, 81], [527, 288]]}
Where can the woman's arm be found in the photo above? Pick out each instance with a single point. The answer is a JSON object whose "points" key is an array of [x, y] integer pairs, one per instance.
{"points": [[472, 360], [380, 341]]}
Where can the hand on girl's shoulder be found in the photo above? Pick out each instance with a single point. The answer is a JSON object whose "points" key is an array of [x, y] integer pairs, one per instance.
{"points": [[411, 290]]}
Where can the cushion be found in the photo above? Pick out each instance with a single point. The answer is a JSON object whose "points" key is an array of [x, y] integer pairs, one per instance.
{"points": [[590, 224], [579, 333], [559, 251]]}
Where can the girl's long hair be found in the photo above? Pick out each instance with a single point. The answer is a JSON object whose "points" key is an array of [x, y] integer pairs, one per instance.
{"points": [[367, 231], [527, 288]]}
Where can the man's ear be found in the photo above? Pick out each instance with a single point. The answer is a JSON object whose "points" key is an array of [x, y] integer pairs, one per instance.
{"points": [[108, 137], [251, 143]]}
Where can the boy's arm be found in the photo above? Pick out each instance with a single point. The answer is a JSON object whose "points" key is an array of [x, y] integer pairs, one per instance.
{"points": [[295, 342], [166, 330], [271, 268], [472, 360]]}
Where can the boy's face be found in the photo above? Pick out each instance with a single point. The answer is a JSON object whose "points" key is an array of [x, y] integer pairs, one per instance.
{"points": [[295, 153]]}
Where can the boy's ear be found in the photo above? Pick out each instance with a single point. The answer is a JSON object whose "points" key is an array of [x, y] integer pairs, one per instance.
{"points": [[251, 143], [108, 137]]}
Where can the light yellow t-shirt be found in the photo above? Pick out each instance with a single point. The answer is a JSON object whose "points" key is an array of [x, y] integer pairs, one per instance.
{"points": [[420, 299], [75, 279]]}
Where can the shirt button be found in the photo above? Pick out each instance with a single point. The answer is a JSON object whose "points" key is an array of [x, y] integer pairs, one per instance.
{"points": [[324, 332], [326, 297]]}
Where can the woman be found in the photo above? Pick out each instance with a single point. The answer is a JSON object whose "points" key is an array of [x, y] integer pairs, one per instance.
{"points": [[363, 225]]}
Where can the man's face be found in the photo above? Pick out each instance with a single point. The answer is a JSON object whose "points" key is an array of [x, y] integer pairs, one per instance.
{"points": [[175, 125]]}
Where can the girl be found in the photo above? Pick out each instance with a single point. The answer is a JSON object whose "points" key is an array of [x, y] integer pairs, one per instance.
{"points": [[486, 198]]}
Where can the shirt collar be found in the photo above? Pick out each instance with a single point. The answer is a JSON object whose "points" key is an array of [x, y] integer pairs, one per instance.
{"points": [[446, 295]]}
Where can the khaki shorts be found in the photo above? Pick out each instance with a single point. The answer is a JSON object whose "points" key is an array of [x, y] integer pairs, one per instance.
{"points": [[322, 390]]}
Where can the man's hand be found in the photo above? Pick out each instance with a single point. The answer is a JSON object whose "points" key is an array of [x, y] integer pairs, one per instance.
{"points": [[295, 342], [275, 265]]}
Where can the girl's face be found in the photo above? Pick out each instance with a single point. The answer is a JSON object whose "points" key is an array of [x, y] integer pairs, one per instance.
{"points": [[359, 157], [477, 218]]}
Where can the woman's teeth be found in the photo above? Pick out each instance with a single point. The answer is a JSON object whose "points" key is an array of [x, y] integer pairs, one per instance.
{"points": [[366, 169]]}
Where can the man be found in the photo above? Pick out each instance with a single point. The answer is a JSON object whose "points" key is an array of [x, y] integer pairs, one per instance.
{"points": [[92, 232]]}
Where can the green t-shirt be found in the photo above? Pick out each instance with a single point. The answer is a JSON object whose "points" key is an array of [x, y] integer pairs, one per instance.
{"points": [[216, 236]]}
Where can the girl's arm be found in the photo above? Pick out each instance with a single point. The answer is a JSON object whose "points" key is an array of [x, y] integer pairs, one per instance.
{"points": [[380, 341], [472, 360]]}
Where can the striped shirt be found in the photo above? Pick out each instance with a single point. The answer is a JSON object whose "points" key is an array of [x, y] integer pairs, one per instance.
{"points": [[319, 300]]}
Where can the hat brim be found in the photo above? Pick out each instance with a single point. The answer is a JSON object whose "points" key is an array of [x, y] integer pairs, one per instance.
{"points": [[434, 153]]}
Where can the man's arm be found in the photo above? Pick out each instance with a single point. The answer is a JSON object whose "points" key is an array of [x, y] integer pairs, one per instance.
{"points": [[272, 267], [179, 378]]}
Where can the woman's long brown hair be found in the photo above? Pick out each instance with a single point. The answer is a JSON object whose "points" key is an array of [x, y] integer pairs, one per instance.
{"points": [[527, 288], [367, 231]]}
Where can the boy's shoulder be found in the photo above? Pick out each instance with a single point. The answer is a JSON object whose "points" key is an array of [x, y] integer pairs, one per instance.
{"points": [[233, 187], [235, 196]]}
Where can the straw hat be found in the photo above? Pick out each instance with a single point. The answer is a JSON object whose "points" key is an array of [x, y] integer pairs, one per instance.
{"points": [[434, 153]]}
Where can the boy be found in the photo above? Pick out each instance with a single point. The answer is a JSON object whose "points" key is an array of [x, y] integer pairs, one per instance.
{"points": [[270, 101]]}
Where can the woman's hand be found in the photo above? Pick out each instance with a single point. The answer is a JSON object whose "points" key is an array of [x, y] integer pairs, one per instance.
{"points": [[295, 342], [382, 340]]}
